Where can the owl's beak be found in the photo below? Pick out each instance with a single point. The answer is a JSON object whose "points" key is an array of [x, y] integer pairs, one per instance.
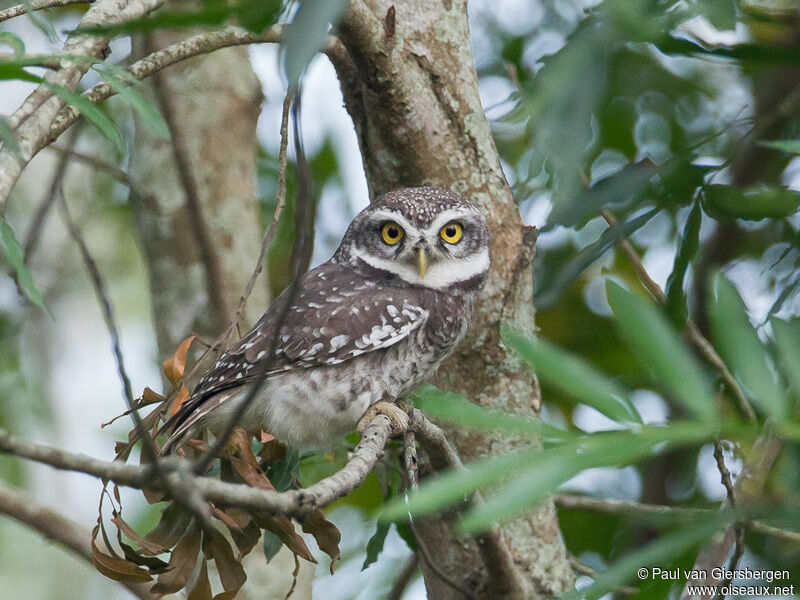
{"points": [[422, 261]]}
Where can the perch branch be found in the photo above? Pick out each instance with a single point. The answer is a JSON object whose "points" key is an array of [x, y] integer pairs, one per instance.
{"points": [[22, 508], [292, 502]]}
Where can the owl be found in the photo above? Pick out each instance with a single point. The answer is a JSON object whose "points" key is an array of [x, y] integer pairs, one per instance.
{"points": [[363, 328]]}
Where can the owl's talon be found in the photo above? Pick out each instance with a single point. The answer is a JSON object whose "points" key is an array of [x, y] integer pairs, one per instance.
{"points": [[396, 415]]}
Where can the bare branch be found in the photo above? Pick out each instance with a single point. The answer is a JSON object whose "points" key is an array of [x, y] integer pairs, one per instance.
{"points": [[39, 218], [32, 121], [161, 59], [178, 472], [276, 216], [21, 9], [646, 512], [53, 526], [94, 162]]}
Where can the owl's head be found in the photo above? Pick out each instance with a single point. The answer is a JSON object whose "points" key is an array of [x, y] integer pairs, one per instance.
{"points": [[424, 236]]}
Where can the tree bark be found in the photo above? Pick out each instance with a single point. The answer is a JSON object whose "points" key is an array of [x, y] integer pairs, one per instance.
{"points": [[214, 102], [410, 86]]}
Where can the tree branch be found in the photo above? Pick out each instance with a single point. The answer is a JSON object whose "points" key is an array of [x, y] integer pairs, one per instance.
{"points": [[33, 119], [178, 472], [53, 526], [21, 9]]}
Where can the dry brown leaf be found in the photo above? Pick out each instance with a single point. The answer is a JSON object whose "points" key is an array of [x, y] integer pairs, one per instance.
{"points": [[116, 568], [148, 546], [225, 518], [181, 397], [181, 562], [150, 397], [202, 589], [325, 533], [231, 573], [173, 524], [175, 365], [284, 529], [246, 539]]}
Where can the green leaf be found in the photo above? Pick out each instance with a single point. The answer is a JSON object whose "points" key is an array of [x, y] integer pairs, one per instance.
{"points": [[656, 554], [790, 146], [750, 203], [651, 337], [272, 544], [375, 543], [150, 116], [677, 307], [13, 252], [550, 468], [626, 184], [307, 33], [720, 13], [13, 40], [739, 345], [589, 254], [97, 117], [787, 341], [571, 375], [456, 409]]}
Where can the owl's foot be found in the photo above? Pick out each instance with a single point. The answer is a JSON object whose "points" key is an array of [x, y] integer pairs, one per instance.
{"points": [[396, 415]]}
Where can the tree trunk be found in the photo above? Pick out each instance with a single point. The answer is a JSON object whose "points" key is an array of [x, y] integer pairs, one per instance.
{"points": [[214, 102], [410, 86]]}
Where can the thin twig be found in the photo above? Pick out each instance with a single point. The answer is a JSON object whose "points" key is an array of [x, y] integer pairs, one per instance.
{"points": [[646, 512], [276, 216], [21, 9], [93, 161], [184, 495], [727, 482], [199, 226], [699, 340], [39, 218], [69, 535], [299, 251], [584, 569]]}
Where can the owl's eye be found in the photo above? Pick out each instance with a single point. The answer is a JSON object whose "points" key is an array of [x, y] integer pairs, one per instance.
{"points": [[451, 233], [391, 233]]}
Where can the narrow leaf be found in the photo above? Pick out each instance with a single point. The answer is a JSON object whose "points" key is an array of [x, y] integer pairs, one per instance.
{"points": [[375, 543], [790, 146], [656, 554], [14, 254], [150, 116], [307, 33], [787, 341], [456, 409], [652, 338], [750, 203], [739, 345], [14, 41], [677, 307], [95, 116], [571, 375]]}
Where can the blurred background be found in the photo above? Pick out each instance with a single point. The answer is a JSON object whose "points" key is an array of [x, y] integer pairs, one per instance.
{"points": [[588, 100]]}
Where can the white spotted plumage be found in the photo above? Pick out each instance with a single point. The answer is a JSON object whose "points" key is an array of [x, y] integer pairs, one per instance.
{"points": [[363, 327]]}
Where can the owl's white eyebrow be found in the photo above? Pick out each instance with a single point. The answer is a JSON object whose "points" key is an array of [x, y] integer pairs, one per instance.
{"points": [[450, 214], [390, 215]]}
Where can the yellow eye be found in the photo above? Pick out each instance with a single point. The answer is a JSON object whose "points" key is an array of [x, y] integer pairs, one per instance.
{"points": [[451, 233], [391, 233]]}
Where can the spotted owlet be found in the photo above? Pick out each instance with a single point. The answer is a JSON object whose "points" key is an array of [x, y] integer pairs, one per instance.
{"points": [[367, 326]]}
